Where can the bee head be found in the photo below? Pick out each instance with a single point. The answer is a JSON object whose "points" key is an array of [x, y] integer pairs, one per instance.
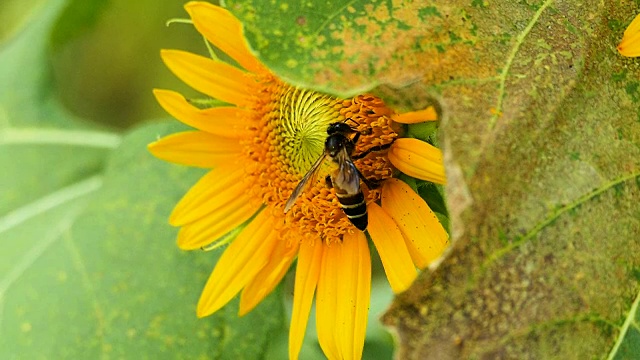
{"points": [[339, 128], [334, 143]]}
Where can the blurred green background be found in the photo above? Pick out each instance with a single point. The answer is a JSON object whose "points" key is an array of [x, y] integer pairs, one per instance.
{"points": [[105, 71]]}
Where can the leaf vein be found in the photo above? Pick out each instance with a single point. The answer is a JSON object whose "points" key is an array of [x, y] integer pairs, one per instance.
{"points": [[547, 325], [48, 202], [34, 253], [511, 58], [554, 216], [331, 17]]}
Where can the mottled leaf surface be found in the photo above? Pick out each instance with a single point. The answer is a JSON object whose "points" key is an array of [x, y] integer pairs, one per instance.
{"points": [[541, 132], [544, 171], [347, 47]]}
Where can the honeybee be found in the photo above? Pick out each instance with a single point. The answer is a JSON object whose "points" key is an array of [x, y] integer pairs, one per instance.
{"points": [[339, 146]]}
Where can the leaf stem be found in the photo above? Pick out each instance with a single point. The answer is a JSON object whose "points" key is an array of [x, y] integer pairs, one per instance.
{"points": [[625, 327], [87, 138]]}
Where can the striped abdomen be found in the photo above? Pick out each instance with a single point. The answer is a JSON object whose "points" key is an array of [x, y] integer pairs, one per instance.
{"points": [[355, 208]]}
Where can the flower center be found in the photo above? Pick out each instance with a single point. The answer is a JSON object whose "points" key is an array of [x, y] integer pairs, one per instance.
{"points": [[301, 124], [289, 132]]}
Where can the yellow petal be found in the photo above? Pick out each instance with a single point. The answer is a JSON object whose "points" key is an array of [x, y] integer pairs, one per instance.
{"points": [[211, 77], [425, 237], [327, 301], [196, 148], [212, 192], [307, 273], [215, 225], [418, 159], [354, 292], [270, 275], [225, 32], [239, 263], [413, 117], [630, 43], [395, 257], [222, 121]]}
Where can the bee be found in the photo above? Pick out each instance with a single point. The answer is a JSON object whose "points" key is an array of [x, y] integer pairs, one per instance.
{"points": [[339, 146]]}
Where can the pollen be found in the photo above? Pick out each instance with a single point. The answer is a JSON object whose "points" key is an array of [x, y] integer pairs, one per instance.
{"points": [[287, 136]]}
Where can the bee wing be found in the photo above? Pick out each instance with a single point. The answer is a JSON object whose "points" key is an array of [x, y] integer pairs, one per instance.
{"points": [[346, 180], [310, 175]]}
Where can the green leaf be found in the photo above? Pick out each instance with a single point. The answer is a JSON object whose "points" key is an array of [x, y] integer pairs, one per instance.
{"points": [[107, 278], [349, 47], [425, 131], [542, 152], [432, 194]]}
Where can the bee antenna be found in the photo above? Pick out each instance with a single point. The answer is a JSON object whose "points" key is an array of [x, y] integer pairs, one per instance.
{"points": [[355, 122]]}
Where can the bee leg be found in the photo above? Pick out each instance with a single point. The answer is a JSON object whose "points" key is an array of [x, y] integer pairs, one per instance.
{"points": [[371, 184], [372, 149], [356, 137], [367, 131], [329, 182], [355, 122]]}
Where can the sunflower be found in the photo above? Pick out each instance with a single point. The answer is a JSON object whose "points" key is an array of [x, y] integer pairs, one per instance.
{"points": [[259, 146], [630, 43]]}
